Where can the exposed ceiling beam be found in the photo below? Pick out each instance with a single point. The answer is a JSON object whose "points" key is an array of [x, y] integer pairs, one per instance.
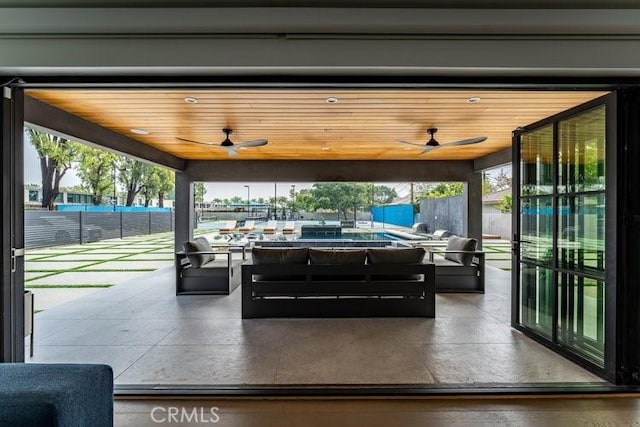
{"points": [[499, 158], [328, 170], [57, 121]]}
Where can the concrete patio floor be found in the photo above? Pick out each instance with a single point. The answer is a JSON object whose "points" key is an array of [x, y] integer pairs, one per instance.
{"points": [[151, 336]]}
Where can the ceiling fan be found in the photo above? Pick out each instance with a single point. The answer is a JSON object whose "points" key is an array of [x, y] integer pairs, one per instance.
{"points": [[432, 144], [227, 145]]}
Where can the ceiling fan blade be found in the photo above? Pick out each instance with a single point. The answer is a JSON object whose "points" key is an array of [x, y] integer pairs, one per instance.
{"points": [[210, 144], [467, 141], [410, 143], [254, 143], [230, 150], [428, 148]]}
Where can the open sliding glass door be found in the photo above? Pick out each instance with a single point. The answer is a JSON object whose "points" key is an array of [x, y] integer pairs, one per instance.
{"points": [[560, 231]]}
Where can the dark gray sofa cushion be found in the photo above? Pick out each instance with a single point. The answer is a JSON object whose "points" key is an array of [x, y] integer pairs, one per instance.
{"points": [[396, 256], [282, 256], [337, 257], [216, 268], [456, 243], [199, 244], [56, 394]]}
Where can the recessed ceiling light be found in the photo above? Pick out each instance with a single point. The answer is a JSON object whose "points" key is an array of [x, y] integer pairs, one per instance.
{"points": [[332, 100], [242, 148], [407, 148], [140, 131], [191, 100], [325, 148], [473, 99]]}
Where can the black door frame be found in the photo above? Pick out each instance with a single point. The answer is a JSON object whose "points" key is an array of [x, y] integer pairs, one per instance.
{"points": [[12, 261], [609, 371]]}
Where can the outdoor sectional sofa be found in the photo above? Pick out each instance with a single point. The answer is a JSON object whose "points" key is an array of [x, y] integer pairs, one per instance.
{"points": [[310, 282]]}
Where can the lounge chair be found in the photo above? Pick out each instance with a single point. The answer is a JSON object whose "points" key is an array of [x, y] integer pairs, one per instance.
{"points": [[228, 228], [289, 227], [247, 227], [438, 235], [270, 228]]}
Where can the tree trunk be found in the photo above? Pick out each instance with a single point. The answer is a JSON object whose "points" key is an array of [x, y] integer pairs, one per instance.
{"points": [[161, 199], [47, 168], [131, 196]]}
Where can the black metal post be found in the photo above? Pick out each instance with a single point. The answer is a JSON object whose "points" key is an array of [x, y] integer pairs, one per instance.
{"points": [[184, 216]]}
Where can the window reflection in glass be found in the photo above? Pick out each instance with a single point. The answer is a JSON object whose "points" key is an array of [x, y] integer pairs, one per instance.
{"points": [[536, 291], [536, 222], [536, 167], [582, 317], [581, 152], [581, 233]]}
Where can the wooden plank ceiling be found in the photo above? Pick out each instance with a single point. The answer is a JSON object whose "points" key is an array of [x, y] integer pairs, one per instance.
{"points": [[301, 124]]}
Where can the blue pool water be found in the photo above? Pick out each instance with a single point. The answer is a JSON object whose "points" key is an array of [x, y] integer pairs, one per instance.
{"points": [[355, 236]]}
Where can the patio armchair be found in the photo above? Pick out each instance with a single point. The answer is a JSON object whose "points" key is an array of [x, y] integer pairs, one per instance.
{"points": [[461, 267], [201, 269]]}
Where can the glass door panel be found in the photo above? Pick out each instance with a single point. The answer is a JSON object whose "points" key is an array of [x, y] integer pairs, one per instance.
{"points": [[581, 233], [581, 152], [582, 316], [561, 232], [536, 289], [536, 162], [536, 229]]}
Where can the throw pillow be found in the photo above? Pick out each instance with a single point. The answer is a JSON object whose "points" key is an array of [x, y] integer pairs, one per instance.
{"points": [[200, 244], [460, 244]]}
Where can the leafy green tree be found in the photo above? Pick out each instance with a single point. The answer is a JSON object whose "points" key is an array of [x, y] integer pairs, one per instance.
{"points": [[132, 174], [505, 205], [151, 184], [95, 170], [166, 183], [199, 191], [443, 189], [339, 196], [304, 201], [57, 156]]}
